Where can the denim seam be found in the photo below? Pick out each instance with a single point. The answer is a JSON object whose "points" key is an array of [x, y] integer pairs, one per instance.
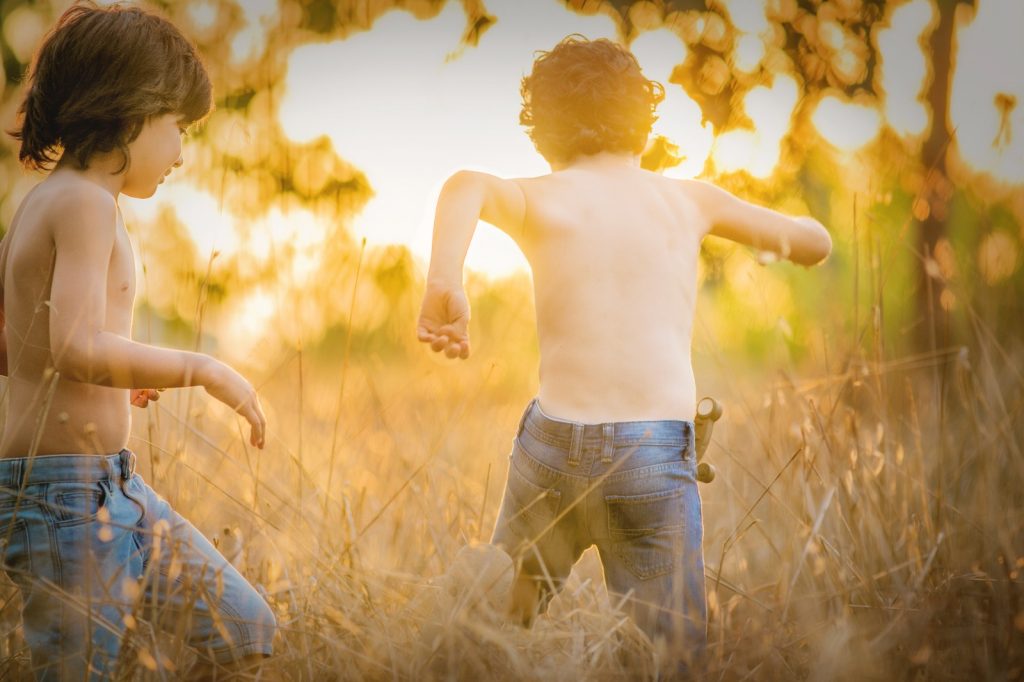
{"points": [[646, 498], [533, 462], [104, 500], [641, 472], [641, 570], [530, 507]]}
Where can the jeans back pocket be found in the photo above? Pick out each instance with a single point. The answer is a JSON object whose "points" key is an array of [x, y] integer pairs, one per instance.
{"points": [[647, 531]]}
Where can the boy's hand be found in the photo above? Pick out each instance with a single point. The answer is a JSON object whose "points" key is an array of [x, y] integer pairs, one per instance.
{"points": [[444, 321], [140, 397], [231, 388]]}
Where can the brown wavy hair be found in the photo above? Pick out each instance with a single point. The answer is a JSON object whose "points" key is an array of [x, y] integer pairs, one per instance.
{"points": [[98, 76], [585, 97]]}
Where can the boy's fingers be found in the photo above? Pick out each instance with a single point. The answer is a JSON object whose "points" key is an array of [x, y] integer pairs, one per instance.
{"points": [[439, 343], [256, 434], [452, 332], [464, 350], [452, 350], [152, 394]]}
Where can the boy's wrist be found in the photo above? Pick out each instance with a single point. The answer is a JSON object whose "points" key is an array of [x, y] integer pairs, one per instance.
{"points": [[443, 281], [200, 369]]}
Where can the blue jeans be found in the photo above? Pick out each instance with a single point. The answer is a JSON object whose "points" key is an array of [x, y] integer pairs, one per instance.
{"points": [[628, 487], [93, 550]]}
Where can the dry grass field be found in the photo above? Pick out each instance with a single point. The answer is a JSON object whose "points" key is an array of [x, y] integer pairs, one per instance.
{"points": [[866, 521]]}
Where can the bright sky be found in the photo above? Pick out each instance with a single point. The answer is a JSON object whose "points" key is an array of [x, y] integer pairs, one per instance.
{"points": [[990, 62], [408, 117], [404, 104]]}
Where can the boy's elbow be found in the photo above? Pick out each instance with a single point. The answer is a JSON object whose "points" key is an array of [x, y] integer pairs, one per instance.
{"points": [[461, 181], [817, 247], [75, 362], [70, 365], [820, 251]]}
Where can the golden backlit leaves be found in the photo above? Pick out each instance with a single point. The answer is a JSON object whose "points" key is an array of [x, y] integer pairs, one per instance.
{"points": [[772, 79]]}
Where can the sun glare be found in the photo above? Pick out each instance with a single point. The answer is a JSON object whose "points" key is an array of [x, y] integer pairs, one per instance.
{"points": [[210, 228], [427, 109], [846, 125], [757, 151], [248, 323]]}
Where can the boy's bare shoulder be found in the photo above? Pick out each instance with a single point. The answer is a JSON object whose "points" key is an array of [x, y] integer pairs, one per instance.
{"points": [[73, 204]]}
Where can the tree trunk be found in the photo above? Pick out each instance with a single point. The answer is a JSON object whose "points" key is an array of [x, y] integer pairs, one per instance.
{"points": [[932, 329]]}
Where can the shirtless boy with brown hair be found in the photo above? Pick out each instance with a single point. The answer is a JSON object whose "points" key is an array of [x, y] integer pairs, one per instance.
{"points": [[604, 455], [110, 94]]}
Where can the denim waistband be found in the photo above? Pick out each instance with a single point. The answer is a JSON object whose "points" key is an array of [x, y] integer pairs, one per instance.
{"points": [[568, 434], [16, 472]]}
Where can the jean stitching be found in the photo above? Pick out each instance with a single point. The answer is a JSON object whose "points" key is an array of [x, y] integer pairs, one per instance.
{"points": [[646, 497], [642, 569], [535, 508], [564, 443], [640, 473]]}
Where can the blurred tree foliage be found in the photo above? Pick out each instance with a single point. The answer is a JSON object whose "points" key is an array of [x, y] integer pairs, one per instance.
{"points": [[958, 259]]}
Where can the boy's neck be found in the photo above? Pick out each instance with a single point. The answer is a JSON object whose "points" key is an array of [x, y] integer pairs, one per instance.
{"points": [[101, 170], [600, 160]]}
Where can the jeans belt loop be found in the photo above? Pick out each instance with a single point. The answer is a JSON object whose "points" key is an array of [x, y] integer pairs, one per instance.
{"points": [[576, 444], [127, 464], [607, 442]]}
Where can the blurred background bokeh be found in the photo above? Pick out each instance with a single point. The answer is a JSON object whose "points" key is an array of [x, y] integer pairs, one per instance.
{"points": [[338, 121], [293, 242]]}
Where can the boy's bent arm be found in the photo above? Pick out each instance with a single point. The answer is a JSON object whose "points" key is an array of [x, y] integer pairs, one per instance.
{"points": [[4, 246], [84, 351], [466, 198], [802, 240], [3, 337]]}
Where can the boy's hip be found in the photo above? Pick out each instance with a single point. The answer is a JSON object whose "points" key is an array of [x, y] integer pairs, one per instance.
{"points": [[18, 473], [598, 481], [607, 450], [63, 515]]}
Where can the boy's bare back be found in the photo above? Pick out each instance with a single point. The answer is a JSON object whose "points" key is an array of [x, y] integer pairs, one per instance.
{"points": [[76, 416], [613, 250]]}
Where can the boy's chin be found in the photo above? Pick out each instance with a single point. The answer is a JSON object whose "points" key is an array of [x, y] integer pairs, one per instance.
{"points": [[139, 192]]}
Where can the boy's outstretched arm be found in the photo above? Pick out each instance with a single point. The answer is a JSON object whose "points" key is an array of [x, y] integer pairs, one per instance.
{"points": [[84, 351], [802, 240], [467, 197]]}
